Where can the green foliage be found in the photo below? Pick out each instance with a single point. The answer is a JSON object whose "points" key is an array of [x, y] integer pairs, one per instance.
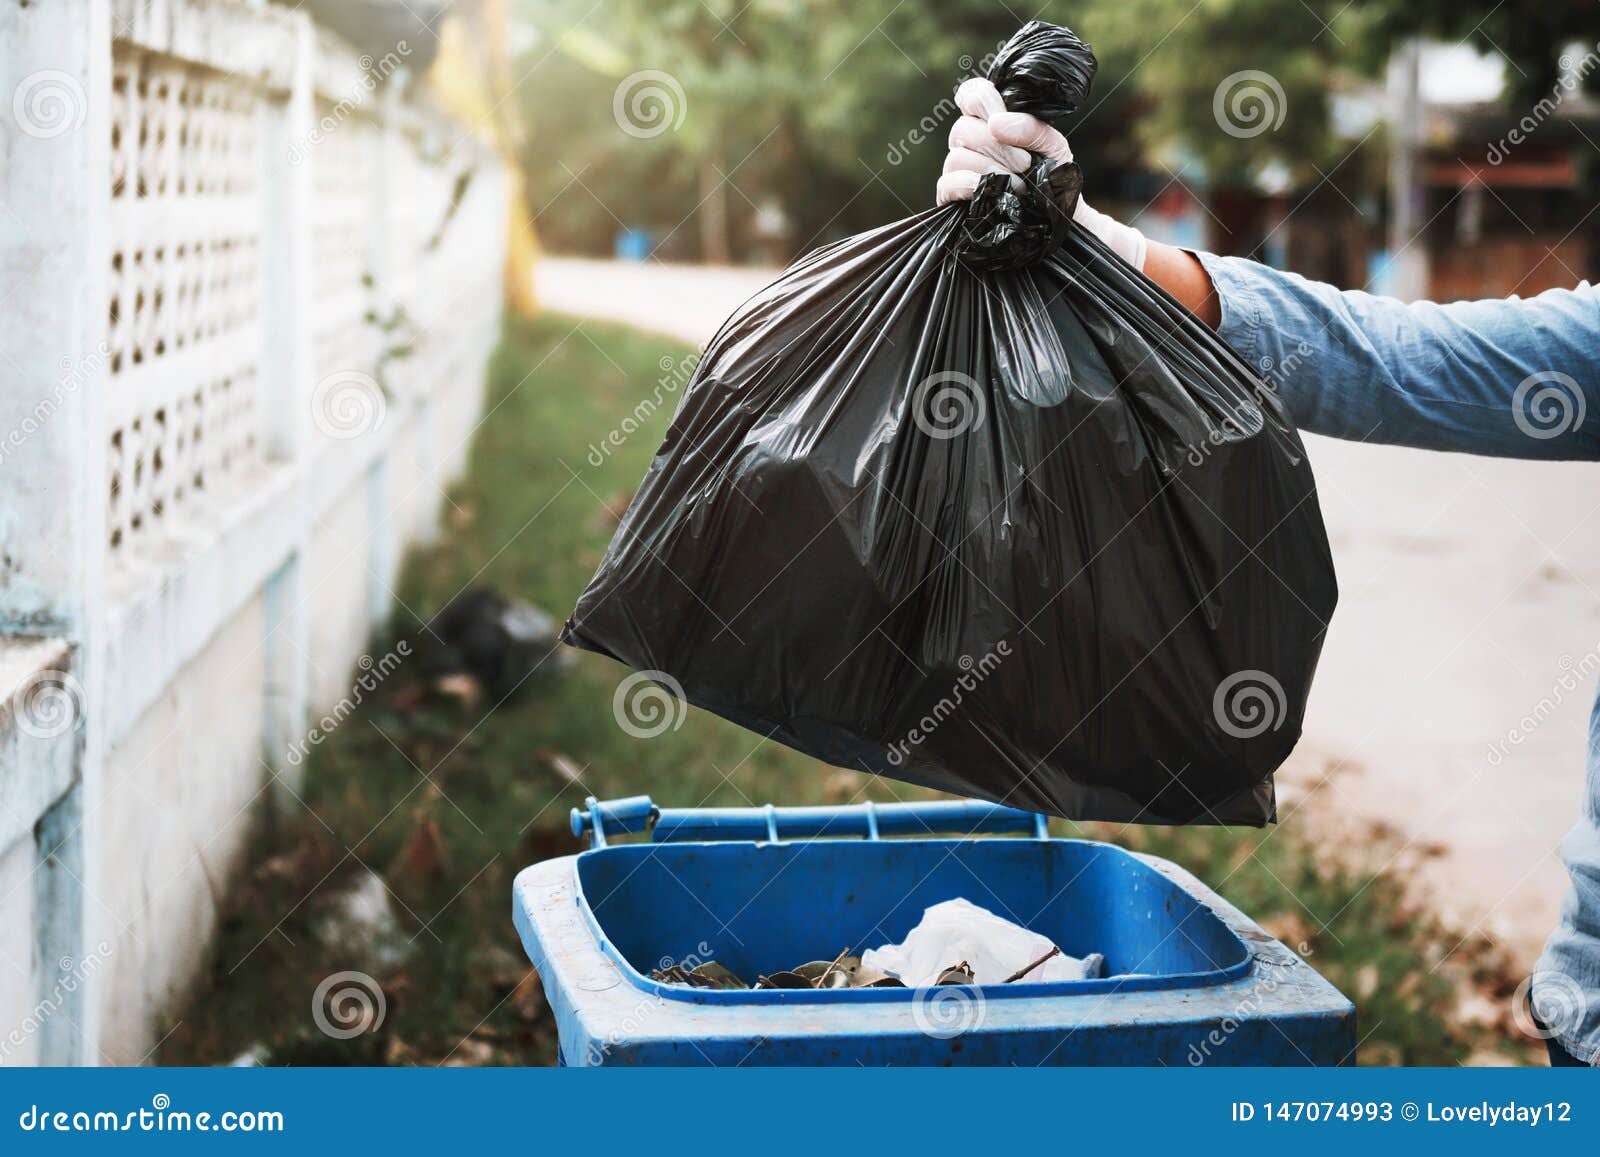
{"points": [[1228, 64], [838, 111]]}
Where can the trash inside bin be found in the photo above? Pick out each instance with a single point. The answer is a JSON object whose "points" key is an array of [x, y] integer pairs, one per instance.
{"points": [[955, 942], [1188, 978], [960, 936]]}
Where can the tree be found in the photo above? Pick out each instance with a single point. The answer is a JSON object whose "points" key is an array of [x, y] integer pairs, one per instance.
{"points": [[1237, 84], [837, 110], [708, 82]]}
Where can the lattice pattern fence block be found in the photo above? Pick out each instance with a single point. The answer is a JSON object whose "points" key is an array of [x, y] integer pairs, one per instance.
{"points": [[346, 167], [185, 288], [446, 218]]}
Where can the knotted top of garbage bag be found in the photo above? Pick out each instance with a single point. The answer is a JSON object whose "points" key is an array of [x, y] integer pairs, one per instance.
{"points": [[1045, 70]]}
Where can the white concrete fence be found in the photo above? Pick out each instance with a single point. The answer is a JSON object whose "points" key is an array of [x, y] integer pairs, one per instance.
{"points": [[248, 287]]}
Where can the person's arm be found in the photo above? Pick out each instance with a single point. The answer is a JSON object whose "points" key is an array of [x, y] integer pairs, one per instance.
{"points": [[1509, 378], [1181, 274]]}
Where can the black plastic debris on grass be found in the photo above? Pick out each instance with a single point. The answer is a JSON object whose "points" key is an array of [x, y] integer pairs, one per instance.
{"points": [[499, 642]]}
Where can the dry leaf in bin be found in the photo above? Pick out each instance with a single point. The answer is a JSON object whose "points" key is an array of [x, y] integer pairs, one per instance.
{"points": [[812, 970], [956, 974], [713, 975], [707, 975], [835, 973], [783, 980], [867, 977], [673, 974], [843, 971], [864, 976]]}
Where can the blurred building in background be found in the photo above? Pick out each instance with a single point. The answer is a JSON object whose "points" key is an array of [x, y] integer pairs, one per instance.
{"points": [[1501, 193], [1505, 190]]}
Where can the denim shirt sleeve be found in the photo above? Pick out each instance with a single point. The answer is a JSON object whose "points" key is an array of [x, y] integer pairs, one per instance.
{"points": [[1511, 378]]}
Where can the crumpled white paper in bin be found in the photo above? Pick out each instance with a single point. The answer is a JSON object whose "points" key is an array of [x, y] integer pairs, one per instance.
{"points": [[995, 948]]}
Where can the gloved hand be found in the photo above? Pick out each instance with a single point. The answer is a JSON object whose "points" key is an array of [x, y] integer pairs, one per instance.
{"points": [[988, 139]]}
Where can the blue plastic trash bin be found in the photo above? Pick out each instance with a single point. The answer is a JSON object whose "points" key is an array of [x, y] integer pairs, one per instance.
{"points": [[1190, 979]]}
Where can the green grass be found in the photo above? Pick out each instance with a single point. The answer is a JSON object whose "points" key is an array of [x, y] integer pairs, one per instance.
{"points": [[531, 519]]}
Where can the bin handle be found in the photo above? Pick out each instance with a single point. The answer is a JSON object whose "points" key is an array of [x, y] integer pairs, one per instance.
{"points": [[599, 819]]}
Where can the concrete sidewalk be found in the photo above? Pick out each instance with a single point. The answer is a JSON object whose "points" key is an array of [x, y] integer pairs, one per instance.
{"points": [[1469, 611], [687, 302]]}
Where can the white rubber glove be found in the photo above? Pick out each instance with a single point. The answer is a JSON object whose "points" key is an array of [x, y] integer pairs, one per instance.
{"points": [[988, 139]]}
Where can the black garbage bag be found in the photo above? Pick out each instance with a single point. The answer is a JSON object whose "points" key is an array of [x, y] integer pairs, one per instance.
{"points": [[969, 502]]}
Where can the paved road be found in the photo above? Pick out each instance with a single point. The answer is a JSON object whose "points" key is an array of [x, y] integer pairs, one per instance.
{"points": [[687, 302], [1470, 601]]}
